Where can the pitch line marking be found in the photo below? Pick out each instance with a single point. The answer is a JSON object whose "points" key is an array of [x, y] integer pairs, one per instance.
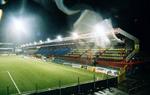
{"points": [[14, 82]]}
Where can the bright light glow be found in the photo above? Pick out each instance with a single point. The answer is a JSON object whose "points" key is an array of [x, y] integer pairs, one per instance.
{"points": [[48, 40], [59, 38], [19, 25], [75, 35], [35, 43], [1, 12], [3, 2], [101, 35], [41, 41], [22, 27], [99, 30]]}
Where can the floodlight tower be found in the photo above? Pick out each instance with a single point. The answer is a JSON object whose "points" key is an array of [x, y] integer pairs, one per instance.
{"points": [[2, 2]]}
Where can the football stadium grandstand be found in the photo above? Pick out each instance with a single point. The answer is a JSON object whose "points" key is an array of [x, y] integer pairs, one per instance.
{"points": [[94, 57], [100, 49], [89, 47]]}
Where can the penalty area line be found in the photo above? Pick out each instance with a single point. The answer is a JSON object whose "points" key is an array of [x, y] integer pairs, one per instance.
{"points": [[14, 82]]}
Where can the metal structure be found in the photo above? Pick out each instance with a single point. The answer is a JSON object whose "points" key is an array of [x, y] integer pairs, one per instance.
{"points": [[7, 48]]}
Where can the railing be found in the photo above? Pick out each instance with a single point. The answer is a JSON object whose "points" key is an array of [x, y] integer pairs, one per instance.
{"points": [[83, 88]]}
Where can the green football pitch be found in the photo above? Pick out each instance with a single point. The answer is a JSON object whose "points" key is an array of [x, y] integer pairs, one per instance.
{"points": [[21, 75]]}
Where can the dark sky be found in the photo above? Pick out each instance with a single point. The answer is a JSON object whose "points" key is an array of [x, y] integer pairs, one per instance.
{"points": [[131, 15]]}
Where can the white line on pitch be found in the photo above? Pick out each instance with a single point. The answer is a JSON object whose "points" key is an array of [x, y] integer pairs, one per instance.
{"points": [[14, 82]]}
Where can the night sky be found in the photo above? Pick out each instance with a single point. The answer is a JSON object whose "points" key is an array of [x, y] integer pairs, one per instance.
{"points": [[130, 15]]}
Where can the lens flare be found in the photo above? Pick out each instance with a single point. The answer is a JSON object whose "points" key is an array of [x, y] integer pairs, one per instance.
{"points": [[1, 13]]}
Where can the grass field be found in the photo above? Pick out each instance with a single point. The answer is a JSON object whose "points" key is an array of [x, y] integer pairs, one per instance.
{"points": [[18, 75]]}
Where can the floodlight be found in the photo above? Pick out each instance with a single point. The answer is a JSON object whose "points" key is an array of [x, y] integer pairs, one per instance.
{"points": [[59, 38], [19, 25], [2, 2], [75, 35], [41, 41], [35, 43], [48, 40], [99, 30], [100, 34]]}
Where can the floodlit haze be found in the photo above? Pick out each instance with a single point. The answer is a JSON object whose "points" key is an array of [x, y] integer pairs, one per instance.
{"points": [[48, 21]]}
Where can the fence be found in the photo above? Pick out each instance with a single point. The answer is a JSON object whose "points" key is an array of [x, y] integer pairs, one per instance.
{"points": [[80, 88]]}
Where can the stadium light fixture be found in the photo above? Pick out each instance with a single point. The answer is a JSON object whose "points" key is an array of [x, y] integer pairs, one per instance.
{"points": [[35, 43], [41, 41], [101, 36], [59, 38], [99, 30], [2, 2], [48, 40], [19, 24], [75, 35]]}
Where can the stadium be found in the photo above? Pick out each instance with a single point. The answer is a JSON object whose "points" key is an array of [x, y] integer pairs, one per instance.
{"points": [[94, 59]]}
